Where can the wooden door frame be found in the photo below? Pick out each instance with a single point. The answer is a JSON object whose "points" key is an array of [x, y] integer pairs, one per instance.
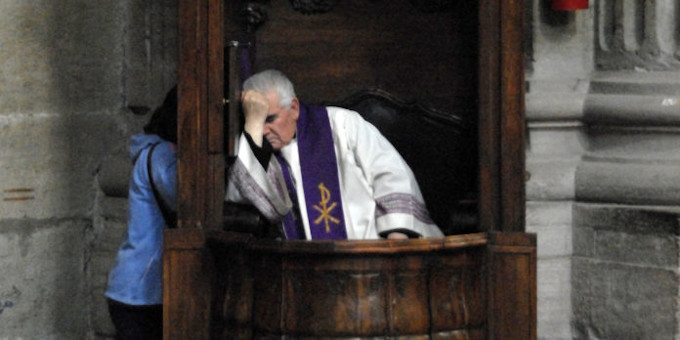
{"points": [[200, 80], [501, 116]]}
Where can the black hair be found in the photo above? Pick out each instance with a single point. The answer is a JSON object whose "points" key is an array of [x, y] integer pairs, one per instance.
{"points": [[163, 122]]}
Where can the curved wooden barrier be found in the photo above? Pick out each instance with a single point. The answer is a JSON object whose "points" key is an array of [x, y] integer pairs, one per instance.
{"points": [[411, 289]]}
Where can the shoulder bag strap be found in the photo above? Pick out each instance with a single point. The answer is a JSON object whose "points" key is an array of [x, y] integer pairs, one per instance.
{"points": [[169, 216]]}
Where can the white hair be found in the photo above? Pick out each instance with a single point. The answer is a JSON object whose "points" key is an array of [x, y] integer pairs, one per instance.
{"points": [[272, 80]]}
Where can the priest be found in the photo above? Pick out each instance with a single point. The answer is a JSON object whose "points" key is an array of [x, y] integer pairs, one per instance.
{"points": [[321, 172]]}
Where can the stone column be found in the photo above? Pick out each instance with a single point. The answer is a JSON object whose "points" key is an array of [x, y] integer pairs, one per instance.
{"points": [[625, 282], [625, 264], [560, 62]]}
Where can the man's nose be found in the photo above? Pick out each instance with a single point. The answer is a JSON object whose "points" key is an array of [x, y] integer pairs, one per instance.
{"points": [[266, 130]]}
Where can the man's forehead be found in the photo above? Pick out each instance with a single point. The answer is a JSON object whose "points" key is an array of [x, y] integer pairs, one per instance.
{"points": [[272, 96]]}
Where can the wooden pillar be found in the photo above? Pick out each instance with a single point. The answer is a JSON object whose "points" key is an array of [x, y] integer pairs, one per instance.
{"points": [[501, 116], [200, 169], [200, 77], [511, 253]]}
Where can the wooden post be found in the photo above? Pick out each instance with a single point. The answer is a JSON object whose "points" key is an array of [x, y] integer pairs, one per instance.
{"points": [[200, 170], [511, 253], [511, 284], [501, 116], [200, 118], [187, 285]]}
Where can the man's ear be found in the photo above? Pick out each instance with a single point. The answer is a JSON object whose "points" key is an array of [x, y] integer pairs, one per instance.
{"points": [[295, 106]]}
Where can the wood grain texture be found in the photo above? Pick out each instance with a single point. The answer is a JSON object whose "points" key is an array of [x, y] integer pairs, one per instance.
{"points": [[357, 289], [512, 120], [200, 163], [511, 271], [501, 116], [187, 285], [384, 44], [490, 189]]}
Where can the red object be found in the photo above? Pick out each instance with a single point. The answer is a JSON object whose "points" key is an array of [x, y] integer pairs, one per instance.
{"points": [[569, 5]]}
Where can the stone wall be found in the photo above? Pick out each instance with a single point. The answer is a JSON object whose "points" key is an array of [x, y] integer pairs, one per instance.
{"points": [[110, 223], [625, 272], [625, 282], [603, 99], [69, 73], [559, 47]]}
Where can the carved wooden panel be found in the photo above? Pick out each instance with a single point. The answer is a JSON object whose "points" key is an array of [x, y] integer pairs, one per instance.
{"points": [[359, 288], [186, 264], [512, 285], [459, 299]]}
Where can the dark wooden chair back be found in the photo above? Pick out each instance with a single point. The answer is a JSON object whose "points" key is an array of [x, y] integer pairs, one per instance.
{"points": [[438, 146]]}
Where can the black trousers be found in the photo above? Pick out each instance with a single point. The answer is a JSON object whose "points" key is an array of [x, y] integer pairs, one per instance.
{"points": [[136, 322]]}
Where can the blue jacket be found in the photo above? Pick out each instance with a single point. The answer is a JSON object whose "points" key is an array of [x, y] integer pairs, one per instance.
{"points": [[136, 277]]}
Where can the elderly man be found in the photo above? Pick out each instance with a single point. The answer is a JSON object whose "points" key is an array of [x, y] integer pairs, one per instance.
{"points": [[322, 172]]}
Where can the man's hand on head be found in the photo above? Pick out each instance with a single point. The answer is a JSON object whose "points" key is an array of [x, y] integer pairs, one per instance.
{"points": [[255, 109]]}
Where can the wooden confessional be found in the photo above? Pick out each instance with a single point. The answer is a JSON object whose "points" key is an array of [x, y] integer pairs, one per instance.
{"points": [[443, 80]]}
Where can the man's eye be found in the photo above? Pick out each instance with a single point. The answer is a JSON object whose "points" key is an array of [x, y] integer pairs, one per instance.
{"points": [[270, 119]]}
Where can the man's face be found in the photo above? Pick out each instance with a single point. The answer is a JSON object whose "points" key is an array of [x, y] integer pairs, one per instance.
{"points": [[281, 123]]}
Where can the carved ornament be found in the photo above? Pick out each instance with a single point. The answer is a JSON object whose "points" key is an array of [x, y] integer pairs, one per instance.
{"points": [[254, 14]]}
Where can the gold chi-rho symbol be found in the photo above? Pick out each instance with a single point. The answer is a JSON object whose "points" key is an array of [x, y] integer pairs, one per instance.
{"points": [[324, 209]]}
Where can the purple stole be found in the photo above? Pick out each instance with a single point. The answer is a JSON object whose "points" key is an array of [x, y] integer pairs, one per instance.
{"points": [[320, 182]]}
